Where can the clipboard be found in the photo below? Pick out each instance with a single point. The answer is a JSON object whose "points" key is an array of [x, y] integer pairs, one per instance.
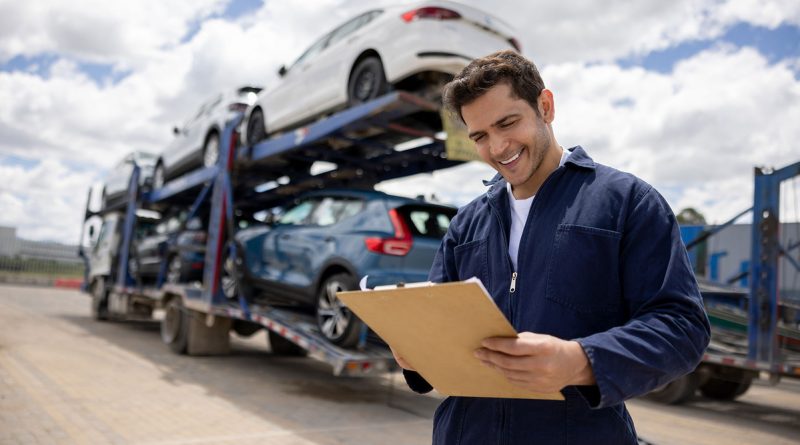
{"points": [[436, 328]]}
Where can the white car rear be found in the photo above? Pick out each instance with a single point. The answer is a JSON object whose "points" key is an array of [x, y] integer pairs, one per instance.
{"points": [[417, 47]]}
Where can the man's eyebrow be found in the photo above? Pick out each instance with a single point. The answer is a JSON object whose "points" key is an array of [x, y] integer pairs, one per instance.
{"points": [[496, 123]]}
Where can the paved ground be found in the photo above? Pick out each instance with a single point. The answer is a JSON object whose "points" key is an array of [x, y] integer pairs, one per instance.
{"points": [[66, 379]]}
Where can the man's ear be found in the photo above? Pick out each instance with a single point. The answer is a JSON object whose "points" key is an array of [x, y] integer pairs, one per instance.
{"points": [[547, 107]]}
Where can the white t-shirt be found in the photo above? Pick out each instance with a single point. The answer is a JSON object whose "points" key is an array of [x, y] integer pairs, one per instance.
{"points": [[519, 214]]}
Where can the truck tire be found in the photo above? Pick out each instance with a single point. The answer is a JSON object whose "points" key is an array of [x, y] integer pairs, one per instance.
{"points": [[99, 300], [336, 322], [726, 389], [677, 391], [175, 326], [281, 346]]}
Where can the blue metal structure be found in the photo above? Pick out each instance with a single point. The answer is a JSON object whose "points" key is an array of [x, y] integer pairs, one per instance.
{"points": [[360, 141], [764, 262]]}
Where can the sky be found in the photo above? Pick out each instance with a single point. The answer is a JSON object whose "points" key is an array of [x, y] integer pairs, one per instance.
{"points": [[689, 95]]}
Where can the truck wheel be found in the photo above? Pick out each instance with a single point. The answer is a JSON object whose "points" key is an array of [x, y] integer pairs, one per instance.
{"points": [[677, 391], [367, 81], [175, 326], [99, 300], [726, 389], [335, 321], [281, 346]]}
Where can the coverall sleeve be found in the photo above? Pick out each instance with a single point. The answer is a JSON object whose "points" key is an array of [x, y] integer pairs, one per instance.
{"points": [[442, 271], [668, 330]]}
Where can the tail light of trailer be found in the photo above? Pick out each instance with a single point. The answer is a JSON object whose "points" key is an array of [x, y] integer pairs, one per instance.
{"points": [[430, 12], [399, 245]]}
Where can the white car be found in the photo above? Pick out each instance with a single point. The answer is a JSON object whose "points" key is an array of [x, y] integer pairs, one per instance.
{"points": [[196, 144], [118, 179], [416, 48]]}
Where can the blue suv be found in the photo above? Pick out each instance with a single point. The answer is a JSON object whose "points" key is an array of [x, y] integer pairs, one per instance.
{"points": [[325, 243]]}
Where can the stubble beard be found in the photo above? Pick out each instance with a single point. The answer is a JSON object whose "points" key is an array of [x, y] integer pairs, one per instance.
{"points": [[538, 148]]}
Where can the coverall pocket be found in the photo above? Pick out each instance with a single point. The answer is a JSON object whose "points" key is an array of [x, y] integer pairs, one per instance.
{"points": [[583, 273], [472, 261]]}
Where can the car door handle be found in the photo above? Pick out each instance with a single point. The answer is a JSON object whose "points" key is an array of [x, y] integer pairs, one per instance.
{"points": [[286, 236], [328, 239]]}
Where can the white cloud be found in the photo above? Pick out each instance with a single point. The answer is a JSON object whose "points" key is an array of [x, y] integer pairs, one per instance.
{"points": [[45, 201], [697, 133], [120, 33]]}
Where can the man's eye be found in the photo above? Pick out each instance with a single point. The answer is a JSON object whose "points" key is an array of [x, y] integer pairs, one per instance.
{"points": [[507, 124], [477, 138]]}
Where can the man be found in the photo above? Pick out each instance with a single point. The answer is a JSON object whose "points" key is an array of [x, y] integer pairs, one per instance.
{"points": [[585, 261]]}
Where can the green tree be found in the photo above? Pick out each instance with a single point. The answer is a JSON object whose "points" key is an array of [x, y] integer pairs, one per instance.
{"points": [[690, 216]]}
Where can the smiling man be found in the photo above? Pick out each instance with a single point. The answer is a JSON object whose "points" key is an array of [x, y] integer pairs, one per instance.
{"points": [[584, 260]]}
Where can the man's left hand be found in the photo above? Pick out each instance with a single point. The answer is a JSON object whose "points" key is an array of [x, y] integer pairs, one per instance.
{"points": [[538, 362]]}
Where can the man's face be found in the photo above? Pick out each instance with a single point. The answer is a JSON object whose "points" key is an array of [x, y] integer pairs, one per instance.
{"points": [[508, 134]]}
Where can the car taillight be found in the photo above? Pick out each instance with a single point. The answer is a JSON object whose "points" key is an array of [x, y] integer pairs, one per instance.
{"points": [[240, 107], [515, 43], [430, 12], [399, 245]]}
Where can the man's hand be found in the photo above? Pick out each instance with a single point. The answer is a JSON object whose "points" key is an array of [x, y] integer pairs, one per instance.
{"points": [[537, 362], [400, 361]]}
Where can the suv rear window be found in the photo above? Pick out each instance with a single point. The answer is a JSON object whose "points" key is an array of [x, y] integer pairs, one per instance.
{"points": [[427, 221]]}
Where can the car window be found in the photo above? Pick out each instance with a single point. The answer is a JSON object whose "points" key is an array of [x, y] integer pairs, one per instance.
{"points": [[325, 213], [350, 208], [297, 214], [348, 28], [314, 49], [332, 210], [213, 104], [102, 235], [428, 221]]}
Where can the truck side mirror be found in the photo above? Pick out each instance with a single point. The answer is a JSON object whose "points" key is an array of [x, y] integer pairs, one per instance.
{"points": [[176, 131], [282, 70]]}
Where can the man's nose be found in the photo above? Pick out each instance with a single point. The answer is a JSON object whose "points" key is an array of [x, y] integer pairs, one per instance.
{"points": [[499, 145]]}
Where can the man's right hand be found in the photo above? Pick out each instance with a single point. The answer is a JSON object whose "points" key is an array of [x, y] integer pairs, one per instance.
{"points": [[400, 361]]}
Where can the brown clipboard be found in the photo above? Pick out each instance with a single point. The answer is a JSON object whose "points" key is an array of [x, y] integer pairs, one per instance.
{"points": [[437, 328]]}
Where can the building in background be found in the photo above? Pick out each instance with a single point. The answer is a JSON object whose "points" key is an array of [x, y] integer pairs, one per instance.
{"points": [[726, 255], [36, 262]]}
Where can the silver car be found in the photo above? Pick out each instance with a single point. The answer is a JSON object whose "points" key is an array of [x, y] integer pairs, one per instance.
{"points": [[196, 144], [117, 180]]}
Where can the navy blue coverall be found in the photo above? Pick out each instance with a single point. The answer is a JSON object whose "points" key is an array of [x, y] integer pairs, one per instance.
{"points": [[601, 261]]}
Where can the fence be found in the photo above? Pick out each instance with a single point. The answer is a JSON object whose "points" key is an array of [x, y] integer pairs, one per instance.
{"points": [[43, 263]]}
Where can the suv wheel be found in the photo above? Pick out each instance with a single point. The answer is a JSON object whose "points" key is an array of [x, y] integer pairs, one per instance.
{"points": [[335, 321]]}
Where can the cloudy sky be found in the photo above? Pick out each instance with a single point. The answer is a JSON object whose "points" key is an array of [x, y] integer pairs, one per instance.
{"points": [[689, 94]]}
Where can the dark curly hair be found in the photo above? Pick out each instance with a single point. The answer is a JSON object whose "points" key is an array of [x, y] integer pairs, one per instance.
{"points": [[484, 73]]}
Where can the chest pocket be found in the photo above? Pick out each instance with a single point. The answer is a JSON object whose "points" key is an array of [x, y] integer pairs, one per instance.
{"points": [[472, 260], [583, 273]]}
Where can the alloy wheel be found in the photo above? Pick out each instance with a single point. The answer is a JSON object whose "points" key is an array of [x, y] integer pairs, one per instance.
{"points": [[334, 317]]}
